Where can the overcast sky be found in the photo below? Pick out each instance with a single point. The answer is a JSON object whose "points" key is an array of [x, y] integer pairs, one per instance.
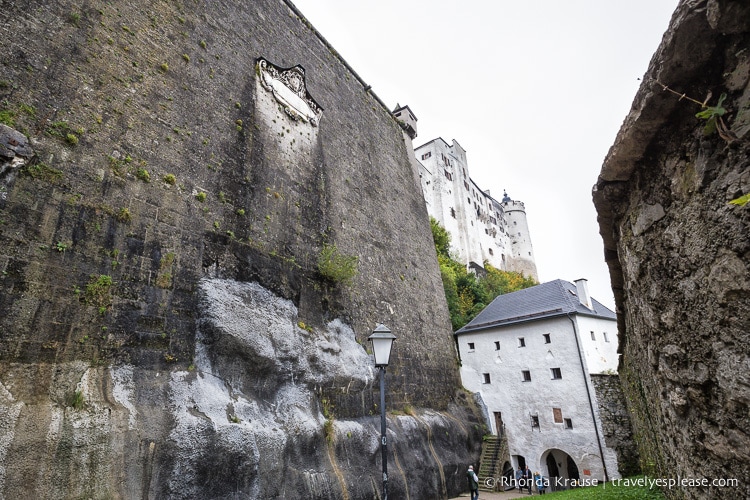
{"points": [[534, 90]]}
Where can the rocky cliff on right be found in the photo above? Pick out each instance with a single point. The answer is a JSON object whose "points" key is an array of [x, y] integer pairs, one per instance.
{"points": [[673, 211]]}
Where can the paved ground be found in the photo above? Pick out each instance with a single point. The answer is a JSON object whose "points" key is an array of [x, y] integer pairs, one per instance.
{"points": [[505, 495]]}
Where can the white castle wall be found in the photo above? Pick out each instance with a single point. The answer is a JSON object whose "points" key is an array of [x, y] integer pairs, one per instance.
{"points": [[481, 228]]}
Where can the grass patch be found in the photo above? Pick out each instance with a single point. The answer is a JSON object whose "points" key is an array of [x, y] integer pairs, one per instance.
{"points": [[43, 172], [609, 491]]}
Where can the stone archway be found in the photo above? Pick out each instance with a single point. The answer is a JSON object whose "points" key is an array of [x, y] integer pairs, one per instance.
{"points": [[561, 469]]}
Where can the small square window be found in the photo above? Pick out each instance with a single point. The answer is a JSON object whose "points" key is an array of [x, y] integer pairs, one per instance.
{"points": [[521, 342], [547, 339], [486, 377], [471, 346], [556, 373], [526, 375], [568, 423], [497, 345], [606, 338], [534, 421]]}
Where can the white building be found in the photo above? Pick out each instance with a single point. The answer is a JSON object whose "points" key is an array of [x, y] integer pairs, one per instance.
{"points": [[529, 355]]}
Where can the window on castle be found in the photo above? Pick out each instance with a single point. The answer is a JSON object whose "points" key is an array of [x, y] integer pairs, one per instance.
{"points": [[568, 423], [427, 155], [606, 339], [593, 336], [535, 421], [486, 377], [547, 339], [466, 185], [448, 175], [521, 342], [491, 252], [556, 373], [557, 415], [526, 374], [453, 212], [471, 346], [497, 345]]}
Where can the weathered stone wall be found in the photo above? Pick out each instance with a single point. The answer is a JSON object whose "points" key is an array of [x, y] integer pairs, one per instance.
{"points": [[678, 252], [615, 419], [159, 160]]}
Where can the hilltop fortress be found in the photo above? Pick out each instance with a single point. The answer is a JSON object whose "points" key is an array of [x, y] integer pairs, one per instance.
{"points": [[482, 229]]}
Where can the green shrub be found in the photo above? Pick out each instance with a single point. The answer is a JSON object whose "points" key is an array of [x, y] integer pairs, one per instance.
{"points": [[335, 266], [75, 400], [201, 197], [124, 215], [143, 174], [97, 292], [170, 179]]}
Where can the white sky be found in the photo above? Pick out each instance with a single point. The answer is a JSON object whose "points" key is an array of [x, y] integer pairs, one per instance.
{"points": [[534, 90]]}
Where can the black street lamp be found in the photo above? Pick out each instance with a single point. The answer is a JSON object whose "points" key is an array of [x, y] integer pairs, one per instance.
{"points": [[382, 341]]}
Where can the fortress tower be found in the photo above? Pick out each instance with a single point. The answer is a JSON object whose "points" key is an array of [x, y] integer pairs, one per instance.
{"points": [[522, 253]]}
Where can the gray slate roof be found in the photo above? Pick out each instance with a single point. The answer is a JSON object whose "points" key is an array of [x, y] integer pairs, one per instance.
{"points": [[555, 298]]}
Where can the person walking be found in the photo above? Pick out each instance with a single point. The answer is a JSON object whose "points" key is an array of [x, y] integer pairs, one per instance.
{"points": [[527, 479], [541, 483], [473, 483], [519, 479]]}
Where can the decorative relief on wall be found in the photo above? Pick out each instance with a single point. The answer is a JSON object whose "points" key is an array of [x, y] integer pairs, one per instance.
{"points": [[288, 87]]}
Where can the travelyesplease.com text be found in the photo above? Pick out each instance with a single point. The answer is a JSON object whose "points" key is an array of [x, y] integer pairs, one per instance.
{"points": [[643, 482]]}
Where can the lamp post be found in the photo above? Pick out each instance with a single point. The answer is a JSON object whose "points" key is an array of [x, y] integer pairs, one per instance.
{"points": [[382, 341]]}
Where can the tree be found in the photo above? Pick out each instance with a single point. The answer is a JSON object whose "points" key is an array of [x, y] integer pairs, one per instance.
{"points": [[466, 293]]}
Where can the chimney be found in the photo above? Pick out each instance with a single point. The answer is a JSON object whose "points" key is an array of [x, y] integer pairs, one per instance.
{"points": [[582, 289]]}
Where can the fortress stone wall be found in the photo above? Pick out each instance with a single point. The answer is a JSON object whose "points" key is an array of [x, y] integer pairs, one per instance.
{"points": [[678, 251], [171, 174]]}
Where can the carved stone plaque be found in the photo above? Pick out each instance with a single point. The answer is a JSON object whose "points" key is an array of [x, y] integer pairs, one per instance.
{"points": [[288, 87]]}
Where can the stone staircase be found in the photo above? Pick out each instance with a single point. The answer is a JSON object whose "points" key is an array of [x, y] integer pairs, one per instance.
{"points": [[491, 463]]}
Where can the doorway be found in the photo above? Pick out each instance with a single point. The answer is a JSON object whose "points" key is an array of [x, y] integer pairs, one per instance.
{"points": [[499, 425]]}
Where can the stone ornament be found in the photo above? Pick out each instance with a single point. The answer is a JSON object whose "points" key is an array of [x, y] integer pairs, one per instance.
{"points": [[288, 87]]}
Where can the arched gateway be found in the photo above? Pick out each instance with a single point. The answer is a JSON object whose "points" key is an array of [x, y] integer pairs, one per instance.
{"points": [[561, 469]]}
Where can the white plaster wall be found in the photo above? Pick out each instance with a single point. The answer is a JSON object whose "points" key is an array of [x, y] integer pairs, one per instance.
{"points": [[518, 400], [601, 354]]}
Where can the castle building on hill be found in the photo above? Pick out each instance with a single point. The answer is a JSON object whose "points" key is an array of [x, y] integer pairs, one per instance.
{"points": [[481, 227]]}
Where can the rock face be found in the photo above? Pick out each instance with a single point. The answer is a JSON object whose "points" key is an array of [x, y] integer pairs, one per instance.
{"points": [[679, 252], [172, 175]]}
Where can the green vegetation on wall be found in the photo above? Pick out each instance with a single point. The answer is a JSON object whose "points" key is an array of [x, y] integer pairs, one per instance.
{"points": [[467, 294], [335, 266]]}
